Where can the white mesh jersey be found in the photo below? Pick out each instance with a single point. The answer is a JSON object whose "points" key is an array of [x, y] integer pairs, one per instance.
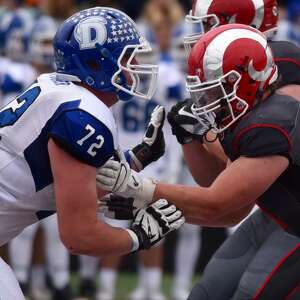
{"points": [[133, 116], [77, 119]]}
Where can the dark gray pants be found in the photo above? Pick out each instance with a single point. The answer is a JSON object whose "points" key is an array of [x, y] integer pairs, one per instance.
{"points": [[241, 265]]}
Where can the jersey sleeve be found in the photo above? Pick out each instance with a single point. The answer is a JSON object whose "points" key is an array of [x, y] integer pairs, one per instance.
{"points": [[83, 136], [262, 141]]}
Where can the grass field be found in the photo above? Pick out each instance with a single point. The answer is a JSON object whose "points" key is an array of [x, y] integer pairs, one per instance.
{"points": [[127, 282]]}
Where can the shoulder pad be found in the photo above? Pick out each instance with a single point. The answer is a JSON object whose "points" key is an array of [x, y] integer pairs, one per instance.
{"points": [[287, 58], [266, 130]]}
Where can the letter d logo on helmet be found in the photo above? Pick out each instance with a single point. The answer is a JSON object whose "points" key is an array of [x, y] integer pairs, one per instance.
{"points": [[90, 31]]}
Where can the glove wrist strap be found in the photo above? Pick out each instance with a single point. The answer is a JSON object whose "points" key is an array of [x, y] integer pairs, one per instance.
{"points": [[135, 241], [138, 166]]}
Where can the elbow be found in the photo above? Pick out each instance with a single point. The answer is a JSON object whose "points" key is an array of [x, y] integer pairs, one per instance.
{"points": [[77, 243], [213, 214], [73, 243], [84, 242]]}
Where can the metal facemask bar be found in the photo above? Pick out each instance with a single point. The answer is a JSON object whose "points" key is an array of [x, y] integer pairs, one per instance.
{"points": [[143, 76], [203, 95], [191, 39]]}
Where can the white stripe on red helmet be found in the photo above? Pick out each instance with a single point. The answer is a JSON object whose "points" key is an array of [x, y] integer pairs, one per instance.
{"points": [[214, 54]]}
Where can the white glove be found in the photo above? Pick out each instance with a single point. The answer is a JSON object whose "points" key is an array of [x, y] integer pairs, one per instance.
{"points": [[152, 224], [117, 177]]}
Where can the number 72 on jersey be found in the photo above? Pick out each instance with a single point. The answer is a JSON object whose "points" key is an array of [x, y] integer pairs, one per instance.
{"points": [[92, 150]]}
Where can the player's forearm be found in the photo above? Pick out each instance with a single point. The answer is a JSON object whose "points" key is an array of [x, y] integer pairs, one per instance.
{"points": [[227, 220], [98, 239], [195, 202], [203, 164], [209, 206]]}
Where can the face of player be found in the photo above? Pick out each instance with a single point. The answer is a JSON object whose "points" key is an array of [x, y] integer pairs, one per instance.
{"points": [[163, 34], [124, 61], [215, 96]]}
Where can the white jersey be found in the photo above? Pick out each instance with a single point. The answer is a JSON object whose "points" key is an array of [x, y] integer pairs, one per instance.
{"points": [[75, 118], [14, 78], [133, 116]]}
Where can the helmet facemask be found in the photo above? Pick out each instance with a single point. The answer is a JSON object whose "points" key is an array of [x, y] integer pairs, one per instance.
{"points": [[199, 26], [217, 97], [142, 79]]}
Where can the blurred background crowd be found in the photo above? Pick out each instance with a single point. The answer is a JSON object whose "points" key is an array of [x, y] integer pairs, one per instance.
{"points": [[42, 265]]}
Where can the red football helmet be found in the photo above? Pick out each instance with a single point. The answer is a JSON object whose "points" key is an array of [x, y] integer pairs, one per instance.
{"points": [[229, 69], [208, 14]]}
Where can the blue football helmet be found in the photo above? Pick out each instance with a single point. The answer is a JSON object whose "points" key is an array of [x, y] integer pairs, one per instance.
{"points": [[14, 31], [9, 23], [99, 47]]}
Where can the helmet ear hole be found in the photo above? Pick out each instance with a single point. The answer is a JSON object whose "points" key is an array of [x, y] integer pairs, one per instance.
{"points": [[93, 65]]}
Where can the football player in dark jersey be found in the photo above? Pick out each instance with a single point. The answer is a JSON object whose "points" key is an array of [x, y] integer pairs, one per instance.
{"points": [[262, 15], [233, 81]]}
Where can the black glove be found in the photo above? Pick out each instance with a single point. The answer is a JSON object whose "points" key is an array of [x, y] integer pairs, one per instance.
{"points": [[185, 126], [153, 144], [152, 224], [117, 207]]}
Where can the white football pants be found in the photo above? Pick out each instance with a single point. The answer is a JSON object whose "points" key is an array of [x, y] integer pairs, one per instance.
{"points": [[9, 286]]}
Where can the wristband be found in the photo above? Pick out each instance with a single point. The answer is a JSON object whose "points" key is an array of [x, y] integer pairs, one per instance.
{"points": [[135, 241]]}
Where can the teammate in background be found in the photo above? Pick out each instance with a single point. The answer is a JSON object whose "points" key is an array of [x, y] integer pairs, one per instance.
{"points": [[288, 28], [14, 31], [168, 15], [133, 118], [55, 135], [264, 17], [41, 56], [233, 82]]}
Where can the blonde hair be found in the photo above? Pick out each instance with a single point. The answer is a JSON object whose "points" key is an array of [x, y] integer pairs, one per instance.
{"points": [[163, 11]]}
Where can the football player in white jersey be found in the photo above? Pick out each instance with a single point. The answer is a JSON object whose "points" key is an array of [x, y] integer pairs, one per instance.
{"points": [[41, 56], [14, 32], [57, 133]]}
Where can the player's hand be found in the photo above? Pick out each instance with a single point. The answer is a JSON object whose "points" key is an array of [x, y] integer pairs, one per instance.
{"points": [[117, 177], [117, 207], [185, 125], [153, 223], [153, 143]]}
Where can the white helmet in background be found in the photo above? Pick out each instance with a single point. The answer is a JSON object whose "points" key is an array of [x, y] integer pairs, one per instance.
{"points": [[14, 32], [40, 46]]}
